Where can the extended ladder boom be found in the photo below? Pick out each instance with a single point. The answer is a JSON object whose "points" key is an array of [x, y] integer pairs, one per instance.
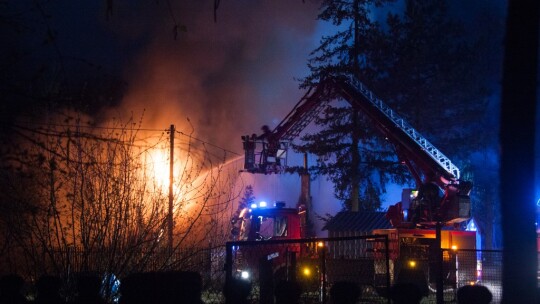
{"points": [[427, 164], [424, 160], [422, 142]]}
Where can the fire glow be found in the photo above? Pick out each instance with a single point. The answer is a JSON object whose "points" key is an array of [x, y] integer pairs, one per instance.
{"points": [[159, 164]]}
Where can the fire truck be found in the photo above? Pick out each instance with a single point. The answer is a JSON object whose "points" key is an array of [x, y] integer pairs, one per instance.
{"points": [[440, 199]]}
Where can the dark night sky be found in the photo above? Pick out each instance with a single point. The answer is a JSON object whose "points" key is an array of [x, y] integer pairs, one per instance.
{"points": [[233, 75]]}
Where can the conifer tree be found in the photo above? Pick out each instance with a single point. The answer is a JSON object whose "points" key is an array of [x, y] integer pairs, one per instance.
{"points": [[422, 63], [349, 155], [431, 71]]}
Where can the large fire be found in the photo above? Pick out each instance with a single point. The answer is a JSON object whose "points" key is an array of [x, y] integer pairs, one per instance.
{"points": [[158, 163]]}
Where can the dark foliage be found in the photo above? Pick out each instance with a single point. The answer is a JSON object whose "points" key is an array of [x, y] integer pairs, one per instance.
{"points": [[425, 64]]}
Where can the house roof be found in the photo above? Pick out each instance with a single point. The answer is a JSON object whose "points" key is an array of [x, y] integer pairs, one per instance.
{"points": [[361, 221]]}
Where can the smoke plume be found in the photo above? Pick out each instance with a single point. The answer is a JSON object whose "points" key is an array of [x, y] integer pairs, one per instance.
{"points": [[227, 77]]}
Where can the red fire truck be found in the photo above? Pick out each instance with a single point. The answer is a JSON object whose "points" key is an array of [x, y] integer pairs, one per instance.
{"points": [[441, 198]]}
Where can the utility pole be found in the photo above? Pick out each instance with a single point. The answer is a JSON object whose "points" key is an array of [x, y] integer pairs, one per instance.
{"points": [[170, 223]]}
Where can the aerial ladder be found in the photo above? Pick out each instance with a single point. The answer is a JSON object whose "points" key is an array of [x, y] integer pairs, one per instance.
{"points": [[432, 171]]}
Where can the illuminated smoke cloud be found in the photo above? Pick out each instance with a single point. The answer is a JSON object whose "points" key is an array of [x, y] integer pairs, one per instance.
{"points": [[229, 77]]}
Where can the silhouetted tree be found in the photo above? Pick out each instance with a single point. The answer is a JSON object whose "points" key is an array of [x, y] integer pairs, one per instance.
{"points": [[424, 64], [440, 73], [349, 155], [92, 200], [79, 190]]}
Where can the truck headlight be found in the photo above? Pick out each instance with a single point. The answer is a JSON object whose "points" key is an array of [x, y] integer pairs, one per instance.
{"points": [[244, 274]]}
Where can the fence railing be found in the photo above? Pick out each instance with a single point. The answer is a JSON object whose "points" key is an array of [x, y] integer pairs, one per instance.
{"points": [[483, 267], [119, 261], [363, 260], [314, 264]]}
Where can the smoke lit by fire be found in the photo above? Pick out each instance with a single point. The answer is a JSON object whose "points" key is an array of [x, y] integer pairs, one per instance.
{"points": [[219, 79]]}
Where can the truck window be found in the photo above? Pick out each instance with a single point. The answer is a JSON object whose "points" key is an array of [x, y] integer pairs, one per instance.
{"points": [[280, 226]]}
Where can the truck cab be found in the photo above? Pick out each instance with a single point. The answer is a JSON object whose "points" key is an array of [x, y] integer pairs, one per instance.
{"points": [[274, 223]]}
